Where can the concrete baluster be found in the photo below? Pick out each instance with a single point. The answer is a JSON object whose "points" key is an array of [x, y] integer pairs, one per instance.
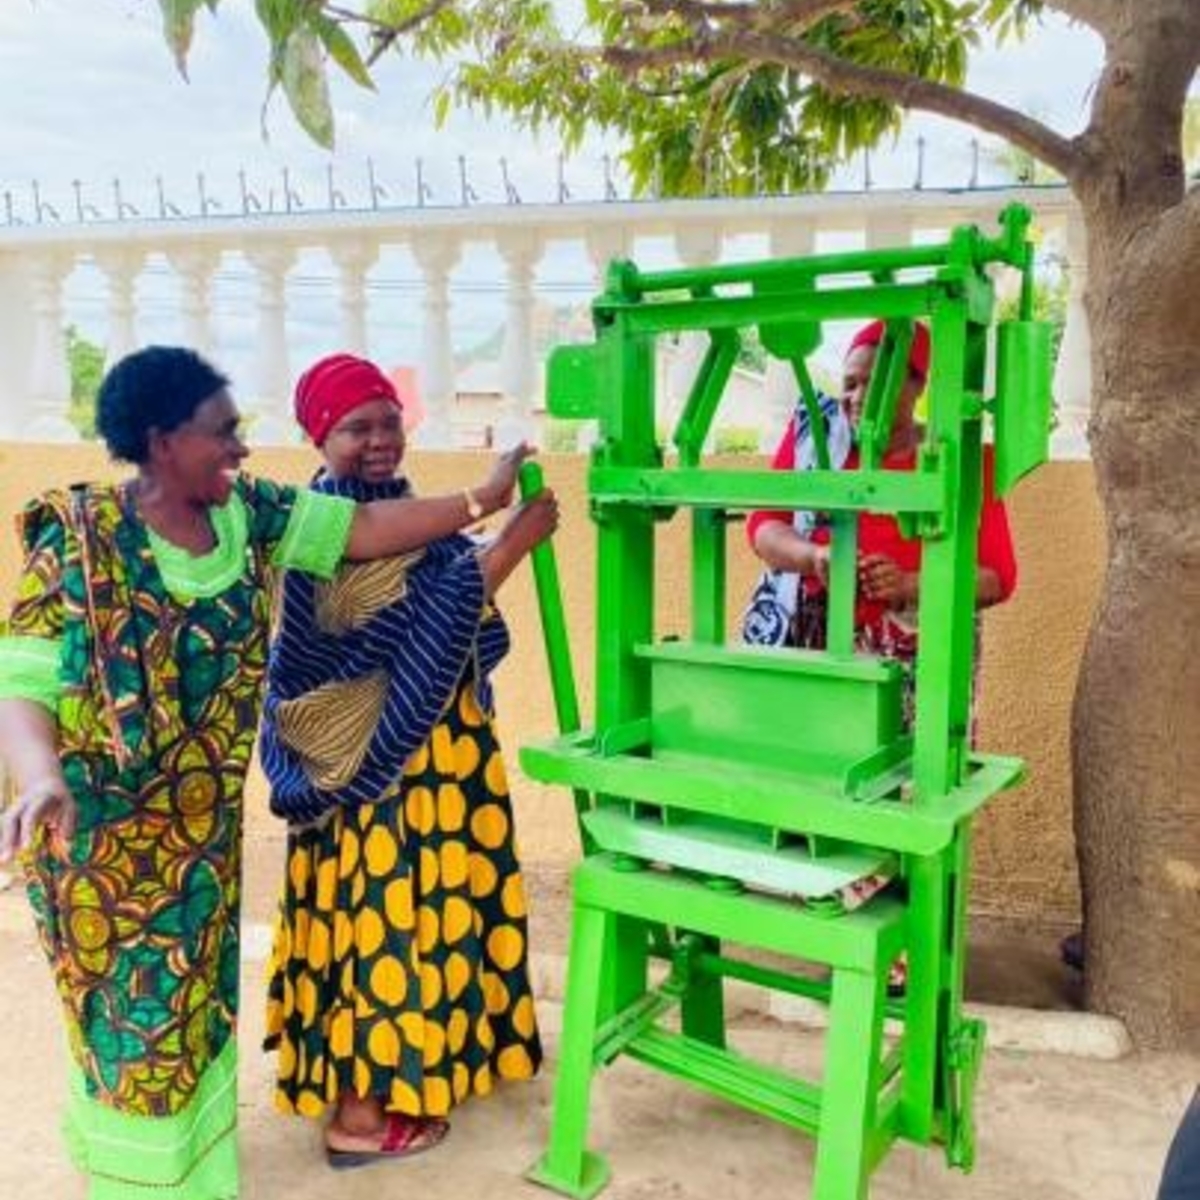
{"points": [[196, 268], [50, 376], [354, 259], [436, 256], [16, 345], [518, 362], [121, 268], [603, 244], [268, 413]]}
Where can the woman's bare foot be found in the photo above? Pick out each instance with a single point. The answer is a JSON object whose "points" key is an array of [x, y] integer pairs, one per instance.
{"points": [[530, 524], [359, 1116], [351, 1140]]}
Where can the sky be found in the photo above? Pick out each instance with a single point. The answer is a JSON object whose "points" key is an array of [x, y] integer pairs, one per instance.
{"points": [[90, 93]]}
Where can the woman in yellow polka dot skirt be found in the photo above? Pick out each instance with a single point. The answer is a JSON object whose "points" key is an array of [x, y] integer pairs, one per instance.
{"points": [[399, 983]]}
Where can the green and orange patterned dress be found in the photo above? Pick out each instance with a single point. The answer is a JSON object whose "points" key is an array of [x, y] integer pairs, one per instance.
{"points": [[153, 661]]}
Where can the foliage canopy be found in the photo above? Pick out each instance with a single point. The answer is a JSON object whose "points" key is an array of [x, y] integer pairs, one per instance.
{"points": [[702, 95]]}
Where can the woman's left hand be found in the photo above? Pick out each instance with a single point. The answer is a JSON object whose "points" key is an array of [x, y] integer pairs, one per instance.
{"points": [[882, 580], [45, 802]]}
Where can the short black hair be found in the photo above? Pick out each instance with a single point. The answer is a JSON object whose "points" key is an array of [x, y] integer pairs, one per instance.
{"points": [[158, 387]]}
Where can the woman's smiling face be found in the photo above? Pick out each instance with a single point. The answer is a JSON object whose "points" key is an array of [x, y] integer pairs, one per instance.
{"points": [[203, 456], [856, 380], [367, 443]]}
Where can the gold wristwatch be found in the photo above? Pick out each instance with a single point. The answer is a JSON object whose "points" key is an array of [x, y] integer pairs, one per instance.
{"points": [[474, 508]]}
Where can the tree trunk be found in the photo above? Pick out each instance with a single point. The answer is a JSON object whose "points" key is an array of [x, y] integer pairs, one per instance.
{"points": [[1136, 719]]}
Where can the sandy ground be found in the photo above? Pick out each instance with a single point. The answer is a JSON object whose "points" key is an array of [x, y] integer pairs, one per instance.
{"points": [[1050, 1127]]}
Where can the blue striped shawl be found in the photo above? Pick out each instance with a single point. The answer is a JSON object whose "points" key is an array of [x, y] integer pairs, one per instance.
{"points": [[428, 641]]}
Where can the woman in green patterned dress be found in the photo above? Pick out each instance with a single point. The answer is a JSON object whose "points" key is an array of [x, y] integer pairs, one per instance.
{"points": [[399, 983], [131, 673]]}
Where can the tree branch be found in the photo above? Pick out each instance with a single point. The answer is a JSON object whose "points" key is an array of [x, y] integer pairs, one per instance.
{"points": [[847, 78], [385, 34], [1133, 140], [1096, 14], [698, 11], [808, 12], [801, 13]]}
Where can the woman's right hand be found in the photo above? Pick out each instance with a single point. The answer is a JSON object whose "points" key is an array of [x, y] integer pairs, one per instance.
{"points": [[496, 492], [44, 802], [783, 549]]}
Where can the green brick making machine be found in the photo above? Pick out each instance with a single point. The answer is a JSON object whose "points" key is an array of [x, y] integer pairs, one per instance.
{"points": [[728, 795]]}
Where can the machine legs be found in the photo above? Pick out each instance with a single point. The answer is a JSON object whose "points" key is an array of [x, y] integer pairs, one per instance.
{"points": [[567, 1166], [848, 1097]]}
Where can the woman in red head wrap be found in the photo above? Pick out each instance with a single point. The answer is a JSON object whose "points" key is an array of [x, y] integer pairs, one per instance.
{"points": [[795, 546], [399, 983], [789, 605], [335, 386]]}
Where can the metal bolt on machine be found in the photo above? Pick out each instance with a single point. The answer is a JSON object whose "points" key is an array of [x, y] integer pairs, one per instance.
{"points": [[729, 795]]}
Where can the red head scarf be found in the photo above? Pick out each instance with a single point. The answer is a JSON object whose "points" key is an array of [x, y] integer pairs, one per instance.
{"points": [[918, 356], [335, 386]]}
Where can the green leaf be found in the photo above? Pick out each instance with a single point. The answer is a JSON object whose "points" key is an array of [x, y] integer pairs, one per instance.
{"points": [[342, 50], [391, 12], [306, 86], [278, 18], [179, 19], [748, 123], [442, 99]]}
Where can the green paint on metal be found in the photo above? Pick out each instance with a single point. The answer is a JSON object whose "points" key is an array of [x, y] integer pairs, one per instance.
{"points": [[736, 797], [1023, 355], [554, 632], [696, 418]]}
